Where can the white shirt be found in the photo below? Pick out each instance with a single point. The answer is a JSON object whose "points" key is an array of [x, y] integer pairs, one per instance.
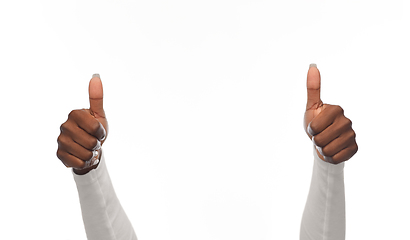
{"points": [[323, 217], [103, 215]]}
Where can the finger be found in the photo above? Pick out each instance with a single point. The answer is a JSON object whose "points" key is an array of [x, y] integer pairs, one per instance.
{"points": [[86, 140], [80, 136], [70, 160], [313, 88], [66, 144], [343, 155], [338, 144], [324, 119], [333, 131], [88, 123], [96, 95]]}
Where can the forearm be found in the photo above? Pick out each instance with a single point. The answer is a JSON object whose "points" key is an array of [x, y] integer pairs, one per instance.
{"points": [[103, 215], [324, 214]]}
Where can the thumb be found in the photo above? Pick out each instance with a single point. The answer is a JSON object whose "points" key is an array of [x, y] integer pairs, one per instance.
{"points": [[95, 92], [313, 88]]}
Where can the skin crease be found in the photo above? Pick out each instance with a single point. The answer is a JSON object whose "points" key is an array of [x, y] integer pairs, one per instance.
{"points": [[83, 130], [330, 131]]}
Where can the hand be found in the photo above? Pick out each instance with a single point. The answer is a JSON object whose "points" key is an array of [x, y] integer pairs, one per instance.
{"points": [[330, 131], [85, 131]]}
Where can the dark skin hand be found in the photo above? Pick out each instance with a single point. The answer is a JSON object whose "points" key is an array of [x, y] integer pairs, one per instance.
{"points": [[330, 131], [84, 132]]}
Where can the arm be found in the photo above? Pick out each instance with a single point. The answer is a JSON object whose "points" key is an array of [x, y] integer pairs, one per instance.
{"points": [[79, 147], [335, 142], [324, 214], [103, 216]]}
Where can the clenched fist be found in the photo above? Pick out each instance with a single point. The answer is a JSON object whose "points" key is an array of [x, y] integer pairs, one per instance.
{"points": [[84, 132], [326, 125]]}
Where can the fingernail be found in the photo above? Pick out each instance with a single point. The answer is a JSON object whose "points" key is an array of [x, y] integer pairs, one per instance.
{"points": [[96, 162], [96, 75], [86, 164], [320, 150], [95, 154], [105, 132], [329, 159], [97, 146], [310, 131], [313, 65]]}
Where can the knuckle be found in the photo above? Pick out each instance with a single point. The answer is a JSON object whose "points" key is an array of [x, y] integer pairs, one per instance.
{"points": [[96, 143], [336, 161], [61, 140], [339, 109], [86, 156], [318, 141], [348, 122], [95, 126], [76, 115], [326, 152], [89, 155], [352, 135], [66, 129], [60, 154], [73, 113], [314, 127], [63, 127], [92, 143], [76, 165], [355, 148], [336, 110]]}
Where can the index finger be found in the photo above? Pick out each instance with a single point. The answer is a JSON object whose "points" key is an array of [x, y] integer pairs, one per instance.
{"points": [[88, 123], [324, 119]]}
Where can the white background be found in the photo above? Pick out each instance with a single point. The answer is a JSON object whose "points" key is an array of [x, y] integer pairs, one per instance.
{"points": [[205, 102]]}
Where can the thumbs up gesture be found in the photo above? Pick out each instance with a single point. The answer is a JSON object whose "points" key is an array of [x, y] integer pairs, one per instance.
{"points": [[84, 132], [330, 131]]}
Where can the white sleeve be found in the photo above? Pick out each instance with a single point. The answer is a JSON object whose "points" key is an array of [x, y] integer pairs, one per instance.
{"points": [[103, 215], [324, 215]]}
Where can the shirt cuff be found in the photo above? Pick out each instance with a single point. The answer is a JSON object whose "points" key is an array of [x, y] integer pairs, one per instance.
{"points": [[92, 175], [332, 169]]}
